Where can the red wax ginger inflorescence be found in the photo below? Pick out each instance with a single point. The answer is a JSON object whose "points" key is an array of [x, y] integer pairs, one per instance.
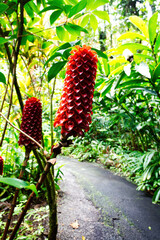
{"points": [[74, 113], [1, 165], [31, 123]]}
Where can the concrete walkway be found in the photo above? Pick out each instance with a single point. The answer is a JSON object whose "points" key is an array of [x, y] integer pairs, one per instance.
{"points": [[105, 206]]}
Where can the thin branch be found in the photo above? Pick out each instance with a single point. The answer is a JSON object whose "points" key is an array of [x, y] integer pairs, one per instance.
{"points": [[9, 110], [51, 110], [22, 131]]}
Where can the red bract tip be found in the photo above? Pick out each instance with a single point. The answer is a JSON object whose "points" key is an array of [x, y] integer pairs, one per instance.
{"points": [[74, 113], [31, 123], [1, 165]]}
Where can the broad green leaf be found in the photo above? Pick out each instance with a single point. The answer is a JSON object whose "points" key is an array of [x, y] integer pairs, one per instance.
{"points": [[107, 88], [100, 53], [156, 73], [131, 83], [18, 183], [50, 8], [148, 159], [140, 24], [60, 32], [94, 4], [156, 196], [29, 10], [2, 78], [77, 28], [55, 15], [77, 8], [3, 40], [54, 3], [67, 8], [133, 47], [106, 66], [56, 54], [55, 69], [33, 7], [117, 70], [71, 30], [147, 173], [113, 62], [46, 45], [157, 44], [73, 2], [3, 7], [152, 27], [142, 57], [93, 22], [33, 188], [85, 20], [102, 15], [131, 35]]}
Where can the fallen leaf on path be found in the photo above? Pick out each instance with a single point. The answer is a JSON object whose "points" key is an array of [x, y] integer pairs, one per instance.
{"points": [[83, 238], [74, 225]]}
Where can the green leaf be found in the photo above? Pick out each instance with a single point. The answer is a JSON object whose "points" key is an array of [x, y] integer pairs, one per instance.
{"points": [[33, 188], [3, 40], [100, 53], [3, 7], [50, 8], [18, 183], [148, 173], [46, 44], [33, 7], [55, 69], [131, 35], [156, 73], [107, 88], [2, 78], [73, 2], [55, 15], [132, 82], [106, 66], [133, 47], [85, 20], [60, 32], [157, 44], [77, 8], [140, 24], [152, 27], [156, 196], [77, 28], [117, 70], [29, 10], [102, 15], [94, 4], [71, 30], [93, 22]]}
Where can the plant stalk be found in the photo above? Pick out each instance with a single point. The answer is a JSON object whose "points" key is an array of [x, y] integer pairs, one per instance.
{"points": [[27, 153]]}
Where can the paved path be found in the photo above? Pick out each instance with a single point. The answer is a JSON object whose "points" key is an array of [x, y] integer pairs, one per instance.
{"points": [[106, 206]]}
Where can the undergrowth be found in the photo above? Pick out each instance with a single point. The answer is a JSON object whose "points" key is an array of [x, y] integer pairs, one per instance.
{"points": [[99, 145]]}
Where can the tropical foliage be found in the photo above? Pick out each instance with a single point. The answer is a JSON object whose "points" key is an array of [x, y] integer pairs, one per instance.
{"points": [[36, 38]]}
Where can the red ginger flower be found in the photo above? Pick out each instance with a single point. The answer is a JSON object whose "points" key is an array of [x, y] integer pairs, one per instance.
{"points": [[31, 123], [74, 113], [1, 165]]}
